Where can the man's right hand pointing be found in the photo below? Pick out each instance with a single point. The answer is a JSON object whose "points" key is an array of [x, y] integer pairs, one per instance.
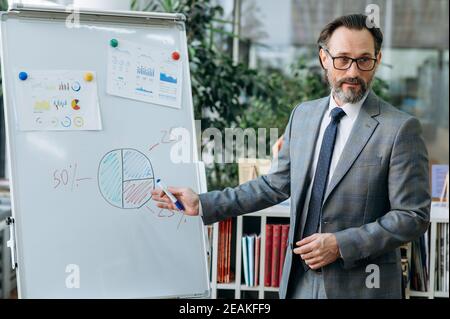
{"points": [[186, 196]]}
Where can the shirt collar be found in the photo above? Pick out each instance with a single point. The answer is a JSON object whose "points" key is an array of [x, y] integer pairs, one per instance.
{"points": [[350, 109]]}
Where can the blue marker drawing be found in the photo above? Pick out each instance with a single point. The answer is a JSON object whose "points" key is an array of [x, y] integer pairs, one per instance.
{"points": [[110, 178], [136, 165], [76, 86], [167, 78], [125, 178], [141, 89], [142, 70]]}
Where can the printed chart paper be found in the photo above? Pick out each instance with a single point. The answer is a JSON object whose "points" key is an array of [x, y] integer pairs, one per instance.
{"points": [[438, 174], [144, 73], [58, 101]]}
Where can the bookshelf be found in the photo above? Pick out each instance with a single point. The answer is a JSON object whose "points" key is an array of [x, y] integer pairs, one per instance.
{"points": [[432, 292], [237, 288]]}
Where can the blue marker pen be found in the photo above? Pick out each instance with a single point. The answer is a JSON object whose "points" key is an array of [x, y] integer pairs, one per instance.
{"points": [[176, 202]]}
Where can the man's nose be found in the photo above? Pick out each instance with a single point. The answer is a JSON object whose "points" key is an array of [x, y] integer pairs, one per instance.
{"points": [[353, 71]]}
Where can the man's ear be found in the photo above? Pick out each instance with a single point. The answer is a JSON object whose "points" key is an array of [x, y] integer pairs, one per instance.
{"points": [[323, 58], [379, 55]]}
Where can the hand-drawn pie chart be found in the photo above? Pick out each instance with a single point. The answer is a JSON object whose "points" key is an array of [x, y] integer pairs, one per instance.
{"points": [[125, 178]]}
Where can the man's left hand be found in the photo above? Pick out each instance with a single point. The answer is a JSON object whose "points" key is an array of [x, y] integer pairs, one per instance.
{"points": [[318, 250]]}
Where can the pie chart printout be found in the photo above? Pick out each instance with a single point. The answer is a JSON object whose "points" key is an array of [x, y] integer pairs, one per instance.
{"points": [[125, 178]]}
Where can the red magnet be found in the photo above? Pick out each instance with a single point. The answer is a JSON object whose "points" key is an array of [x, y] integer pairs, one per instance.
{"points": [[176, 56]]}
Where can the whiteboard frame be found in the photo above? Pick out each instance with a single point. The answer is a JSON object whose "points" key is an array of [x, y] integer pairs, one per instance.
{"points": [[33, 9], [21, 11]]}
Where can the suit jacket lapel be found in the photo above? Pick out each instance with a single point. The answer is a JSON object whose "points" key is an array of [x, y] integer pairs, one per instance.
{"points": [[362, 130], [306, 139]]}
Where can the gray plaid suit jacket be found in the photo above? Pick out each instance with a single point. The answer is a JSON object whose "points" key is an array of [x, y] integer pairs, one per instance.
{"points": [[377, 199]]}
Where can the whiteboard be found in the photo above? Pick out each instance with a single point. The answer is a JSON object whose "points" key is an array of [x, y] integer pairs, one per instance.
{"points": [[73, 240]]}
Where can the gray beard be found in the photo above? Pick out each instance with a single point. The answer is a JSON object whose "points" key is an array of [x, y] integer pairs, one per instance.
{"points": [[351, 96]]}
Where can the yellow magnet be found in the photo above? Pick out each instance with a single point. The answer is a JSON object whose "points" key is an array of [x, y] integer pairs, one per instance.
{"points": [[88, 77]]}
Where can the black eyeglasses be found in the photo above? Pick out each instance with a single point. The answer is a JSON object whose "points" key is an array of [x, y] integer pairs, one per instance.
{"points": [[345, 62]]}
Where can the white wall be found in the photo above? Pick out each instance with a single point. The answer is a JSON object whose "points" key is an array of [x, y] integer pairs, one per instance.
{"points": [[276, 17]]}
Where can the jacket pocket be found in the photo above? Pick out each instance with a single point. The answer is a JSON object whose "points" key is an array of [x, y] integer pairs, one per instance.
{"points": [[368, 161]]}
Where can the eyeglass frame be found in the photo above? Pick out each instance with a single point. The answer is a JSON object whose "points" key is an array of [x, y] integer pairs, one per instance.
{"points": [[347, 57]]}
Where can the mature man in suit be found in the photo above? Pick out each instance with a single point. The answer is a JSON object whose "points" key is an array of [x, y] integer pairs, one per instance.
{"points": [[356, 170]]}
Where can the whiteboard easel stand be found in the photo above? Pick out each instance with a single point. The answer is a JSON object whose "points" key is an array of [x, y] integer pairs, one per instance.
{"points": [[54, 13]]}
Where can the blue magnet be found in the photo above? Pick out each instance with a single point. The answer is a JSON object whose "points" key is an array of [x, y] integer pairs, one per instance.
{"points": [[23, 76]]}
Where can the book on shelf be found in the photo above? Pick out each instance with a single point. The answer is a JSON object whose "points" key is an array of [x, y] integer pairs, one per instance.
{"points": [[283, 247], [245, 260], [230, 232], [224, 272], [221, 251], [268, 258], [251, 258], [276, 241], [226, 253], [257, 257]]}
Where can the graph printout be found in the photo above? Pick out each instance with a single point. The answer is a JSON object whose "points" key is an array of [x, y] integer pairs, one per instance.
{"points": [[145, 73]]}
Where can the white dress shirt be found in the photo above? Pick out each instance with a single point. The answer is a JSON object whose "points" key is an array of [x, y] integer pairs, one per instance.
{"points": [[344, 129]]}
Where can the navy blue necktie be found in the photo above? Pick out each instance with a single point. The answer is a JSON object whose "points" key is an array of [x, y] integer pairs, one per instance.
{"points": [[321, 176]]}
